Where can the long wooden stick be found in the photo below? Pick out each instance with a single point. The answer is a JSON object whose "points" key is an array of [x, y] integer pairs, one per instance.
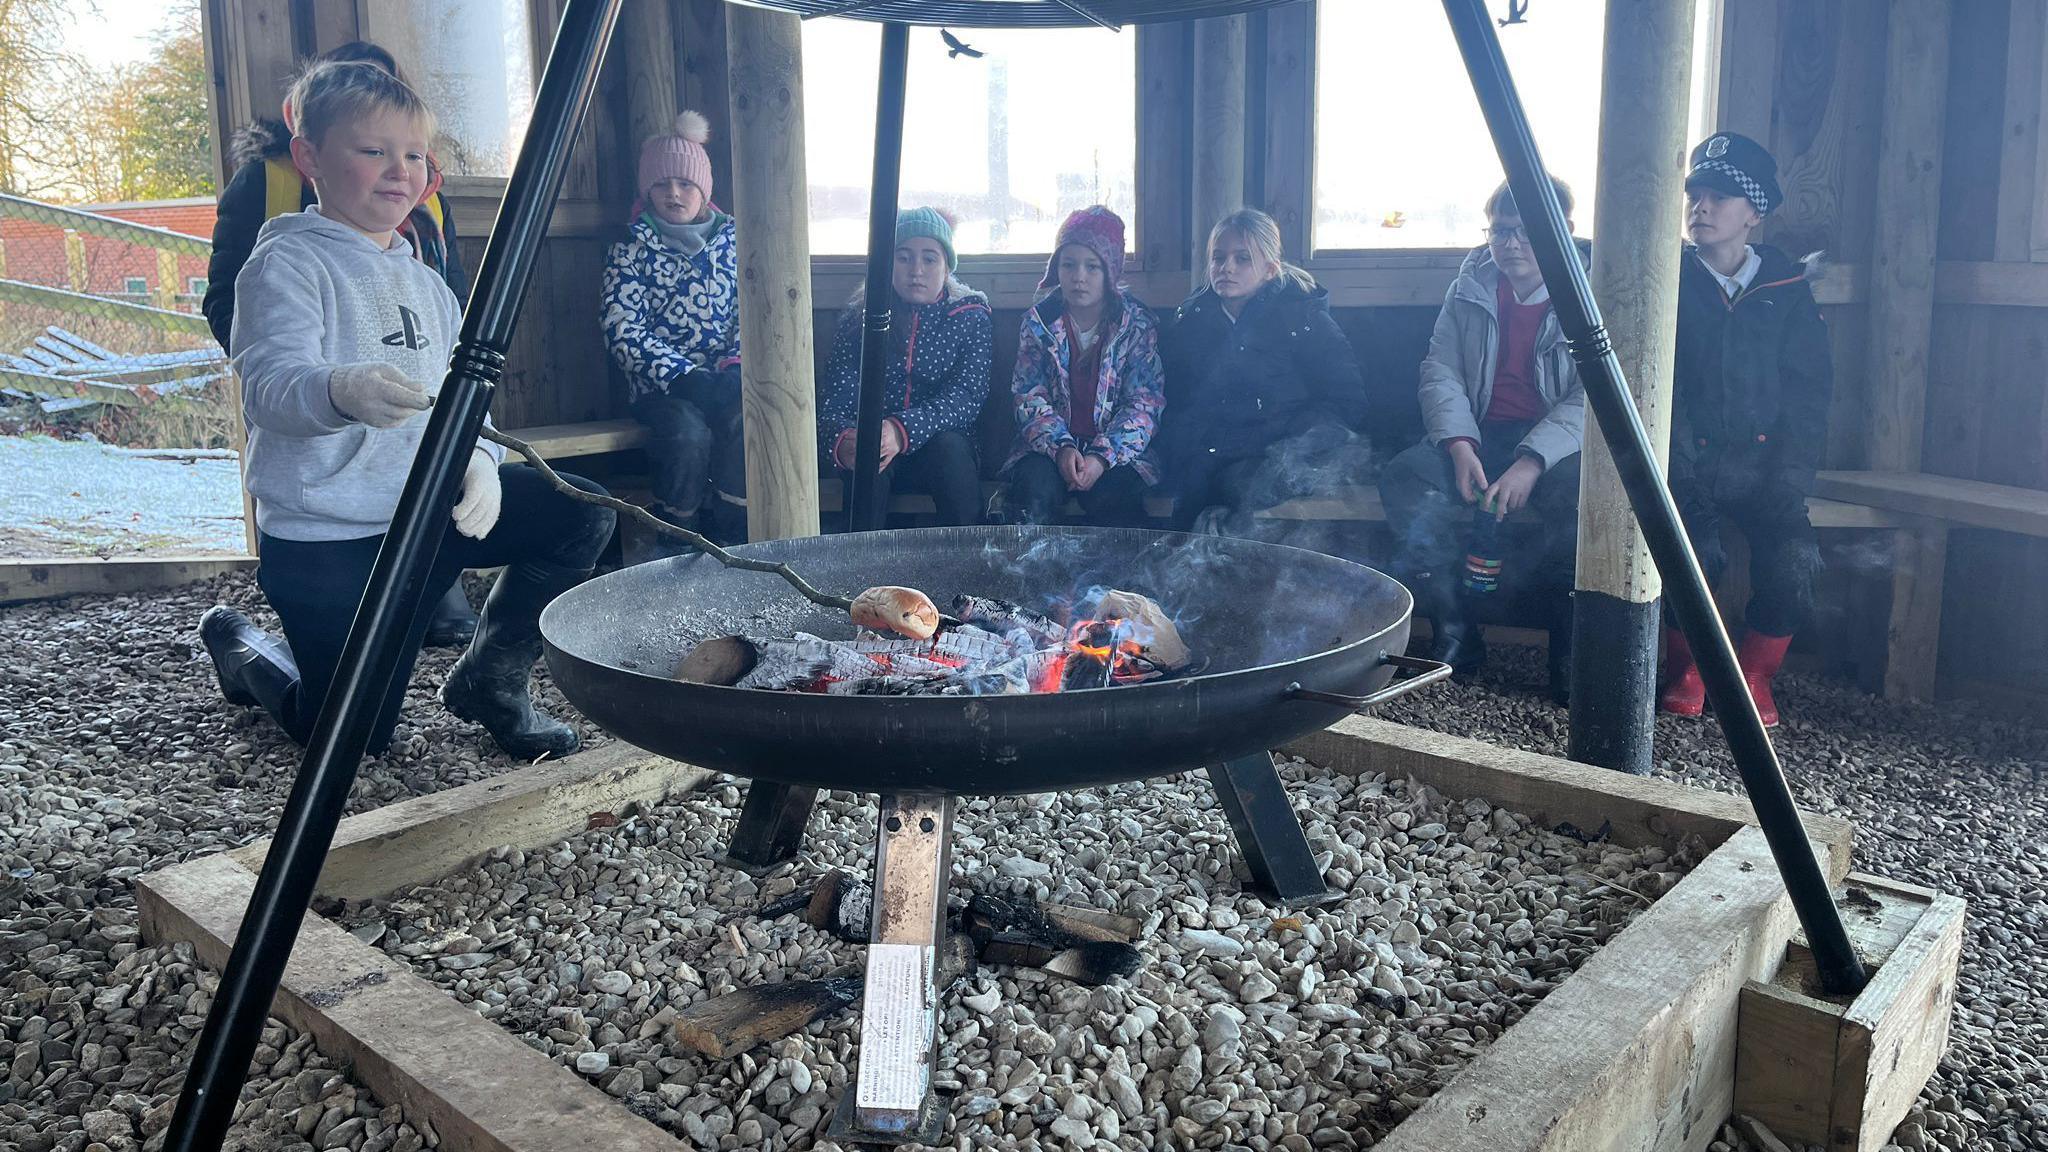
{"points": [[649, 520]]}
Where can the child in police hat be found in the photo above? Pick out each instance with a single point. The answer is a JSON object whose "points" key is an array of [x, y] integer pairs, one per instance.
{"points": [[1751, 383]]}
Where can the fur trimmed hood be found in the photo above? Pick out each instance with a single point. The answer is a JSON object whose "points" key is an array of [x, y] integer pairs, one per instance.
{"points": [[259, 141]]}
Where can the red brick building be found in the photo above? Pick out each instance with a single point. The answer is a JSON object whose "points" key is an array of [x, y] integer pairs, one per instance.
{"points": [[34, 251]]}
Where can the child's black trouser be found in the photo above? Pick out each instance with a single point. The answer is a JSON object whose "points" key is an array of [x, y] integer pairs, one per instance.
{"points": [[1431, 522], [1784, 554], [315, 586], [698, 451]]}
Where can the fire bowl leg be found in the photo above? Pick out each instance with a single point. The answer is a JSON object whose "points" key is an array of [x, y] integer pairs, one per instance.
{"points": [[771, 825], [892, 1100], [1267, 831]]}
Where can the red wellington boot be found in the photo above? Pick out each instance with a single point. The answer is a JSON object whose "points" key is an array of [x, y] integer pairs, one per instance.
{"points": [[1761, 657], [1683, 694]]}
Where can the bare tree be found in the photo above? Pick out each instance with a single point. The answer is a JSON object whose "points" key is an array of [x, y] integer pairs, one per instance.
{"points": [[35, 64]]}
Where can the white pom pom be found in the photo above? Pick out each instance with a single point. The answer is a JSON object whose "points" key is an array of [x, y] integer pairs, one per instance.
{"points": [[692, 126]]}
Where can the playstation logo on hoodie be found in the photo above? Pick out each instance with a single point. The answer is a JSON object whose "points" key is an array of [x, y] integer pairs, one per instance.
{"points": [[408, 335]]}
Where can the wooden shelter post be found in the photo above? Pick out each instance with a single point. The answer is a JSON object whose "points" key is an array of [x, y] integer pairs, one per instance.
{"points": [[1646, 79], [1219, 137], [1907, 215]]}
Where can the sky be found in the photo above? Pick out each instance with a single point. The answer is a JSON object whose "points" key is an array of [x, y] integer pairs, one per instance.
{"points": [[114, 32]]}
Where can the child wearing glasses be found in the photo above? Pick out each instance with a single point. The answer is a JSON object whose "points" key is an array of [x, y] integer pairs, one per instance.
{"points": [[1503, 413]]}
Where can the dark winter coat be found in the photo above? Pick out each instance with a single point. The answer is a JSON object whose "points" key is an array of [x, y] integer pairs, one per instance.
{"points": [[1233, 389], [257, 152], [1751, 382], [938, 368]]}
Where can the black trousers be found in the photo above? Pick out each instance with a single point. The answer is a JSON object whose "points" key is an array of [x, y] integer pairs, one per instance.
{"points": [[946, 469], [698, 452], [1322, 457], [1432, 524], [316, 586], [1037, 494], [1784, 553]]}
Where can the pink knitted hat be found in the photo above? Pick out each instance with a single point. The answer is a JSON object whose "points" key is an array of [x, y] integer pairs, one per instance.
{"points": [[679, 156], [1100, 231]]}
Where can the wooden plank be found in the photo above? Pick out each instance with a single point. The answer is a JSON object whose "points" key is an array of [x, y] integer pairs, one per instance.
{"points": [[477, 1084], [1749, 67], [764, 59], [1785, 1059], [1636, 810], [590, 438], [1288, 127], [2040, 213], [1165, 221], [2001, 507], [1908, 205], [427, 837], [1899, 1023], [1220, 97], [1636, 1048], [22, 580], [1913, 635], [701, 66], [2020, 129]]}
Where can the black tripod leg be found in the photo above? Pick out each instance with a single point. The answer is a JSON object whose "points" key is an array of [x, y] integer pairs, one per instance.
{"points": [[1267, 831], [771, 824]]}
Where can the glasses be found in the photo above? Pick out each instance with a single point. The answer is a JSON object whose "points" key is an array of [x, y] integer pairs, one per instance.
{"points": [[1501, 235]]}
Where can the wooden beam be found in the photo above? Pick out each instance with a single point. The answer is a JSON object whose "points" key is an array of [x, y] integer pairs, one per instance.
{"points": [[2020, 176], [478, 1085], [1913, 635], [1636, 1048], [1219, 137], [1288, 127], [648, 42], [427, 837], [1644, 93], [1748, 75], [1908, 207], [22, 580], [764, 56], [2040, 213], [591, 438], [1634, 811], [1165, 218], [702, 73], [1999, 507]]}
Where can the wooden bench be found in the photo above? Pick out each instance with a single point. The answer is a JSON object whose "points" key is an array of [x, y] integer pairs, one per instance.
{"points": [[1923, 508]]}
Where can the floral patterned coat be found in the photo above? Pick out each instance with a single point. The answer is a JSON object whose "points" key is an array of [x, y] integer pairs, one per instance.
{"points": [[666, 313], [1129, 394]]}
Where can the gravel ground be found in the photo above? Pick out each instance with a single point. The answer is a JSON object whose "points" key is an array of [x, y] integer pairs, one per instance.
{"points": [[1243, 1029], [80, 498], [1952, 797], [116, 757]]}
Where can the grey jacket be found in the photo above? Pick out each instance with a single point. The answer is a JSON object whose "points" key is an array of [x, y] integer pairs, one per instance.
{"points": [[1457, 375], [315, 295]]}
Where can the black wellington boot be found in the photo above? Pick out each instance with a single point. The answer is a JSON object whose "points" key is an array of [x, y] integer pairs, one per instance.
{"points": [[488, 686], [253, 666], [1454, 639], [454, 621]]}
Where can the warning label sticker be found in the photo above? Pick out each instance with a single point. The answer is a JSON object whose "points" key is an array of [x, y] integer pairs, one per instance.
{"points": [[896, 1027]]}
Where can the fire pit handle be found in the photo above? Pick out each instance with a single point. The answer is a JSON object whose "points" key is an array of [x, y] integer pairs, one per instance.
{"points": [[1426, 672]]}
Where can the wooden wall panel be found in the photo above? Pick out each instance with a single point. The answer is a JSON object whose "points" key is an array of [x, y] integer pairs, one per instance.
{"points": [[1972, 130], [701, 70]]}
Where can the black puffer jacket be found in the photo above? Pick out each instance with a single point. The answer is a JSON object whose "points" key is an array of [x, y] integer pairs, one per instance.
{"points": [[245, 205], [1752, 378], [1232, 389]]}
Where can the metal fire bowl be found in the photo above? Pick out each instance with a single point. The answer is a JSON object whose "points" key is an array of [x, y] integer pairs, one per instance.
{"points": [[1278, 627]]}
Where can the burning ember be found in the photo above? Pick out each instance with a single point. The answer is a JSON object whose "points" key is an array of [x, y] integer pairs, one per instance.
{"points": [[986, 647]]}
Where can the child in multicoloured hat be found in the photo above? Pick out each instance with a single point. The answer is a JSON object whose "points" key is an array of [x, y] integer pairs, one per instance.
{"points": [[1751, 383], [672, 321], [941, 347], [1088, 385]]}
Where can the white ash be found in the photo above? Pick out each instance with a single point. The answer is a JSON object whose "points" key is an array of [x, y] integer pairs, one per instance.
{"points": [[1249, 1025]]}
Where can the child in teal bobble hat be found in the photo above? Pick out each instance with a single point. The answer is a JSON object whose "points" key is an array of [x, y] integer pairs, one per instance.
{"points": [[929, 223]]}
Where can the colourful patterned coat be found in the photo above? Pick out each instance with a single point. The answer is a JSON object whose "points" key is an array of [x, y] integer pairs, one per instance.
{"points": [[1129, 394], [666, 313]]}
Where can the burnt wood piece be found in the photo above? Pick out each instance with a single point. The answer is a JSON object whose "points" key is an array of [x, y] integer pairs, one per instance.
{"points": [[725, 1026], [771, 824], [1004, 617], [1096, 962], [842, 905], [1268, 833]]}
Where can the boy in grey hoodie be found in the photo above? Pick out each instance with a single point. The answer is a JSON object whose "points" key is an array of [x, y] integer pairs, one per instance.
{"points": [[341, 339]]}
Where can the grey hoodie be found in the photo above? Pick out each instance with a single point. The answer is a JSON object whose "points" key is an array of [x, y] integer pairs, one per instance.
{"points": [[315, 295], [1457, 375]]}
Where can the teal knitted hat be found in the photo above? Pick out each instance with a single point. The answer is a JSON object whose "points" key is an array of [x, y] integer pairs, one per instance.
{"points": [[931, 224]]}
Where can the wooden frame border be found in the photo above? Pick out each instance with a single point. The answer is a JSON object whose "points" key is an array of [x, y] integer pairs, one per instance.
{"points": [[1664, 990], [51, 579]]}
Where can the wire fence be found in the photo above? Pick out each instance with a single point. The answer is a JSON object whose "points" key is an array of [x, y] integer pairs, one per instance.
{"points": [[100, 326]]}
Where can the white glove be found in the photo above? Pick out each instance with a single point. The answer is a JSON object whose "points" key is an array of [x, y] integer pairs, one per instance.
{"points": [[375, 394], [477, 511]]}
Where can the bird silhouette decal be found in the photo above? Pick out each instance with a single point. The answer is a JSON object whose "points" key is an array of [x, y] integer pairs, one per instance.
{"points": [[1518, 13], [958, 47]]}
